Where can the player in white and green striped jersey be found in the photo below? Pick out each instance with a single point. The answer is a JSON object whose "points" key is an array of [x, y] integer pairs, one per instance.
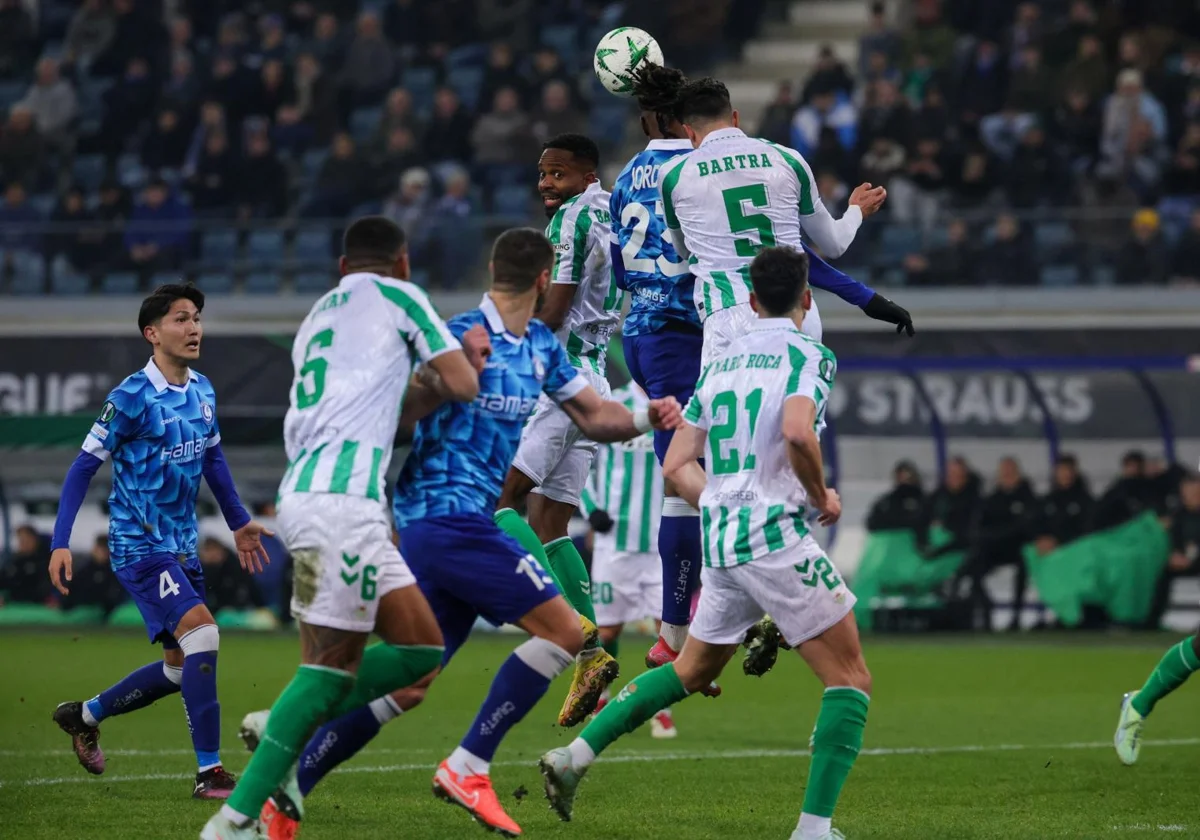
{"points": [[623, 503], [755, 419]]}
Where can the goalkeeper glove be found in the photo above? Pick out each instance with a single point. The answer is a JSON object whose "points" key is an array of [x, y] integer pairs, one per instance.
{"points": [[882, 309], [600, 521]]}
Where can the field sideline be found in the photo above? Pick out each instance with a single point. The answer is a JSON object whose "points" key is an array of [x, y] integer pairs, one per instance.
{"points": [[966, 739]]}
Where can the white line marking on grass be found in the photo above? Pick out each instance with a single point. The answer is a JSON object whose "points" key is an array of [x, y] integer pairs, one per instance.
{"points": [[630, 758]]}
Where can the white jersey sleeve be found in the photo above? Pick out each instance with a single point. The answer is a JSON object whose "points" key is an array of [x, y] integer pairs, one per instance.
{"points": [[416, 320], [832, 236]]}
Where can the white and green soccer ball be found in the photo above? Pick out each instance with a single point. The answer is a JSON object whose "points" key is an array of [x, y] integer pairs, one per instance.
{"points": [[619, 55]]}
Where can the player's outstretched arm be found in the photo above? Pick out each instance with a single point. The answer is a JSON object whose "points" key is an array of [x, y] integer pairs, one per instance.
{"points": [[804, 453], [681, 466], [605, 421], [70, 499], [247, 534]]}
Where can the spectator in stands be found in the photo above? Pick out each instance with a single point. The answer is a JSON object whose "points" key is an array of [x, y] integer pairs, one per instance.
{"points": [[18, 39], [879, 39], [23, 578], [932, 118], [1031, 85], [1002, 131], [918, 193], [52, 101], [227, 584], [291, 134], [167, 143], [127, 104], [954, 505], [976, 180], [983, 84], [556, 116], [1076, 129], [883, 160], [1027, 31], [1181, 80], [1130, 105], [1126, 497], [834, 191], [397, 113], [1007, 520], [19, 222], [327, 45], [1089, 71], [261, 187], [1142, 259], [826, 110], [452, 235], [400, 155], [340, 183], [879, 70], [139, 34], [404, 25], [449, 134], [212, 121], [502, 137], [828, 76], [269, 91], [886, 115], [1184, 560], [90, 32], [213, 183], [1008, 259], [903, 507], [315, 97], [271, 45], [1066, 511], [1146, 160], [952, 264], [547, 66], [159, 229], [181, 90], [1185, 262], [501, 71], [410, 207], [1164, 480], [95, 585], [232, 85], [1034, 173], [370, 66], [179, 39], [1183, 176], [112, 213], [22, 149], [75, 236], [510, 21], [1062, 44], [776, 124], [929, 34]]}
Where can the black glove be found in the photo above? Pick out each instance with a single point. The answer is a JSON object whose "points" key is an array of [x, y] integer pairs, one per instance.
{"points": [[600, 521], [882, 309]]}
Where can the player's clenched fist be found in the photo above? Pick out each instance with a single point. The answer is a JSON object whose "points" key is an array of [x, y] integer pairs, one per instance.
{"points": [[477, 345], [868, 199], [60, 568], [666, 414]]}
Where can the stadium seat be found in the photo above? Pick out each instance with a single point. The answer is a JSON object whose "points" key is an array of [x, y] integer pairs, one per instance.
{"points": [[43, 203], [1051, 238], [311, 164], [130, 171], [367, 208], [265, 246], [421, 278], [263, 283], [861, 273], [89, 171], [312, 245], [421, 82], [215, 283], [219, 246], [896, 242], [363, 123], [69, 283], [29, 273], [515, 200], [1060, 275], [313, 282], [120, 283], [1104, 274], [563, 39], [467, 82], [468, 55], [161, 278]]}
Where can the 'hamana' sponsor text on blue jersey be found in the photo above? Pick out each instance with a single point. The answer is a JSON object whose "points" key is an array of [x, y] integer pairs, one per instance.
{"points": [[462, 452], [156, 435], [660, 286]]}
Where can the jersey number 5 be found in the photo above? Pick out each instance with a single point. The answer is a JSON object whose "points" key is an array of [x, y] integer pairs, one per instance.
{"points": [[742, 222], [728, 464], [310, 387]]}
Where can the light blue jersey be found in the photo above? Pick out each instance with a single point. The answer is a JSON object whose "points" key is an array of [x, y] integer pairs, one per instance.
{"points": [[660, 286], [156, 435], [462, 452]]}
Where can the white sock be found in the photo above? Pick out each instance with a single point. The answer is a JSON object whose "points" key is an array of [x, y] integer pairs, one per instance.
{"points": [[88, 718], [385, 709], [235, 817], [674, 635], [812, 826], [582, 755], [466, 763]]}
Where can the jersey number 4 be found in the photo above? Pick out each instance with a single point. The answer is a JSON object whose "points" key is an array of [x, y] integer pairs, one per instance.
{"points": [[728, 463], [167, 587], [310, 386]]}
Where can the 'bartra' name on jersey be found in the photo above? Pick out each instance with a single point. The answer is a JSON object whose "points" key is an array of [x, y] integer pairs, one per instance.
{"points": [[658, 280], [156, 434]]}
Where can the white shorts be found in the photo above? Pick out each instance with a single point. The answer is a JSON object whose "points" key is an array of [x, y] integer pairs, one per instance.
{"points": [[344, 560], [553, 453], [723, 326], [798, 587], [626, 585]]}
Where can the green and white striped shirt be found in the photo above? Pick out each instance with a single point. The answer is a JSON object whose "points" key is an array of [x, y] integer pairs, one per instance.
{"points": [[753, 504], [626, 481], [580, 233], [353, 356]]}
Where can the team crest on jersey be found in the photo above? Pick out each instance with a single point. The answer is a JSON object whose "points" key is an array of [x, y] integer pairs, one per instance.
{"points": [[107, 412], [826, 369], [206, 411], [539, 369]]}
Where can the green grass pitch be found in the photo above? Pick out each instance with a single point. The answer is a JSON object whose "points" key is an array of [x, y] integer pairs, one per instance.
{"points": [[966, 739]]}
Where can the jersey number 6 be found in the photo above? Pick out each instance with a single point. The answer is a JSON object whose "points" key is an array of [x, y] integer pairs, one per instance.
{"points": [[313, 371]]}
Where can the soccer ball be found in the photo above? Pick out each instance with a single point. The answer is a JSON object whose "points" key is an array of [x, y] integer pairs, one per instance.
{"points": [[619, 55]]}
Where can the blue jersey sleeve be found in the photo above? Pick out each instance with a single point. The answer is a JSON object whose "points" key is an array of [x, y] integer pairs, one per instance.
{"points": [[822, 275], [562, 381], [120, 421]]}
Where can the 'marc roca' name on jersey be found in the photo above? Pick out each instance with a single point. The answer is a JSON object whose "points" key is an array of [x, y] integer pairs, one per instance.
{"points": [[156, 435], [659, 282]]}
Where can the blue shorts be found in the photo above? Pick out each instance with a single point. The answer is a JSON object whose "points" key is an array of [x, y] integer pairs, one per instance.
{"points": [[665, 364], [164, 587], [466, 568]]}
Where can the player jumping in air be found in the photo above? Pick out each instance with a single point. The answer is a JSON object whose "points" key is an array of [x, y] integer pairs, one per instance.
{"points": [[756, 417], [466, 566], [353, 356], [663, 333], [582, 308], [623, 503], [159, 427]]}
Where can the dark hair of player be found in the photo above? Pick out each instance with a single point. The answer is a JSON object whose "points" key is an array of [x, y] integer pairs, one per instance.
{"points": [[156, 307], [703, 101], [656, 89], [581, 147], [779, 277], [518, 257], [373, 241]]}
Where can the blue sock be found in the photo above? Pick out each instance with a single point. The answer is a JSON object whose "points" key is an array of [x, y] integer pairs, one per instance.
{"points": [[679, 547], [201, 706], [335, 742], [136, 691], [518, 686]]}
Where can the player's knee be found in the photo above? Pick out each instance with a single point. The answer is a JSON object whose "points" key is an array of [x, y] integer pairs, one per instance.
{"points": [[852, 673], [546, 656], [203, 639]]}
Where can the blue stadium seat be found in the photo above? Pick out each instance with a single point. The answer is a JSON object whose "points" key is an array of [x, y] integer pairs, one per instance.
{"points": [[219, 246], [505, 174], [11, 92], [421, 278], [608, 123], [563, 39], [363, 123], [367, 208], [861, 273], [313, 245], [265, 246], [892, 276], [311, 164], [313, 282], [69, 282], [1104, 274], [215, 282], [1052, 237], [29, 273], [468, 55], [897, 242], [421, 82], [130, 171], [119, 283], [515, 200], [43, 203], [263, 283], [89, 171], [467, 82], [160, 278], [1060, 275]]}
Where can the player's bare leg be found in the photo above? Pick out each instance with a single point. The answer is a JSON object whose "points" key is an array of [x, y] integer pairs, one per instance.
{"points": [[662, 725]]}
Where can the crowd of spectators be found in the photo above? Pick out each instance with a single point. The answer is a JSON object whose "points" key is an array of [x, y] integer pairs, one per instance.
{"points": [[1011, 116], [994, 527], [177, 117]]}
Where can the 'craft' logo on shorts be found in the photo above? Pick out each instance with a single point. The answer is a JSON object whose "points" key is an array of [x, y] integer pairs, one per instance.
{"points": [[206, 411], [107, 412]]}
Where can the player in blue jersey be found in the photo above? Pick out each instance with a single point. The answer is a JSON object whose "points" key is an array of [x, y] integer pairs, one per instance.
{"points": [[159, 428], [663, 337], [465, 565]]}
